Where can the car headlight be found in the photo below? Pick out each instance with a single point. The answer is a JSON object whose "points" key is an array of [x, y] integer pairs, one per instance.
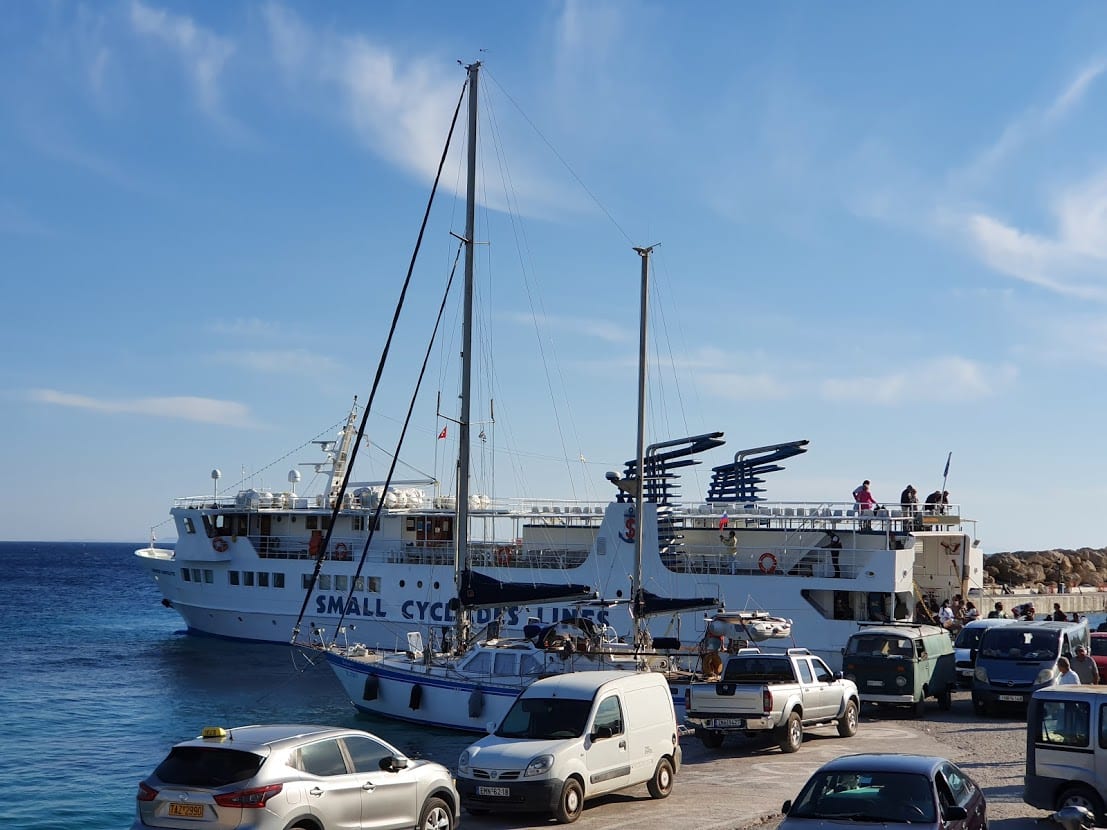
{"points": [[539, 766], [1045, 676], [901, 681], [981, 674], [463, 762]]}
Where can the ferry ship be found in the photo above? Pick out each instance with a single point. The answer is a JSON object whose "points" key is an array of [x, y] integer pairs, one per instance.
{"points": [[242, 566]]}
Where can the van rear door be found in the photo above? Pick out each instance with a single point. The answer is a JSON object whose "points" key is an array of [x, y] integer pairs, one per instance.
{"points": [[606, 747]]}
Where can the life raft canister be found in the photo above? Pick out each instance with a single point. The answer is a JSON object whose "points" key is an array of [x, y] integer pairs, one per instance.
{"points": [[767, 563], [341, 551]]}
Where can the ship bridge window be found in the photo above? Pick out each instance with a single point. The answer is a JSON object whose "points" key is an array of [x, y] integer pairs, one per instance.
{"points": [[248, 578], [185, 575], [196, 575], [263, 579], [189, 526], [232, 577], [311, 522], [278, 580]]}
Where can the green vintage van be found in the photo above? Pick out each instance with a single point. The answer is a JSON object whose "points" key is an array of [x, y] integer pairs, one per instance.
{"points": [[901, 664]]}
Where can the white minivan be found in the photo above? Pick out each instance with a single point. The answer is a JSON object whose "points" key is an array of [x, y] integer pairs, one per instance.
{"points": [[1066, 749], [572, 737]]}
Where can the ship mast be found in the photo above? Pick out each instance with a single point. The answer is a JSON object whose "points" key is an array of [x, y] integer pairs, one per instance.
{"points": [[461, 554], [640, 635]]}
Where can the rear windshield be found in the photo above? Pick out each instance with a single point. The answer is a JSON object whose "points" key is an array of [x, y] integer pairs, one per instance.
{"points": [[758, 670], [1016, 644], [207, 766], [881, 645]]}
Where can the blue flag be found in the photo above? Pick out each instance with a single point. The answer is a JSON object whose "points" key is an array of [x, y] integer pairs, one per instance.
{"points": [[948, 457]]}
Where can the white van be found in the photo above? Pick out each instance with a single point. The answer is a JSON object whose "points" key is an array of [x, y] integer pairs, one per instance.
{"points": [[1066, 749], [572, 737]]}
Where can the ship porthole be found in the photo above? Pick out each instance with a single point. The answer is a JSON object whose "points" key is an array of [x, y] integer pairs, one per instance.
{"points": [[401, 583]]}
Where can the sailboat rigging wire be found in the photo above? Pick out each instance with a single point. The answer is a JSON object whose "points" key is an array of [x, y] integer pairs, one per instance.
{"points": [[377, 378], [564, 163], [399, 443]]}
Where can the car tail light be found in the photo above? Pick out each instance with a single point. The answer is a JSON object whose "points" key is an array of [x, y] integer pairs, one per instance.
{"points": [[146, 792], [248, 799], [767, 701]]}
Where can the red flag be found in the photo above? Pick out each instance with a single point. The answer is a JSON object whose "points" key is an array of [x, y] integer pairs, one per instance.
{"points": [[442, 434]]}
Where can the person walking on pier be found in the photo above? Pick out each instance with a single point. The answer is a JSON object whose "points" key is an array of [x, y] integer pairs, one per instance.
{"points": [[1085, 666], [997, 613], [1066, 676]]}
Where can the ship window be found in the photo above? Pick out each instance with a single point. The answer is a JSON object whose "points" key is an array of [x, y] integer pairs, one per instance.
{"points": [[232, 577], [185, 575], [311, 522], [505, 664], [324, 582], [188, 525], [480, 663], [263, 579], [196, 575], [359, 583], [356, 522], [278, 580], [374, 584], [531, 665], [326, 522], [248, 578], [410, 524], [341, 582], [306, 580]]}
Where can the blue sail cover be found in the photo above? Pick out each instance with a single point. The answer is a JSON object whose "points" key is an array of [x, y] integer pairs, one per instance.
{"points": [[481, 591], [650, 605]]}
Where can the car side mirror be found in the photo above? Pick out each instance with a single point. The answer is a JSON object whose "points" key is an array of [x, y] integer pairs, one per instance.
{"points": [[839, 675], [602, 732], [393, 763], [786, 808], [490, 727], [955, 813]]}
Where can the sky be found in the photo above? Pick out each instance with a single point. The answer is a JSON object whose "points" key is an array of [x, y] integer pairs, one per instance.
{"points": [[879, 227]]}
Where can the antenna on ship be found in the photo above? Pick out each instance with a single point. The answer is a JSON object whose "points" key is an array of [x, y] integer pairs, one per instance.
{"points": [[215, 476]]}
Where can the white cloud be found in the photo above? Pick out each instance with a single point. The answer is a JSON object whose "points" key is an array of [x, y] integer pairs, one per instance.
{"points": [[202, 53], [400, 107], [1072, 261], [204, 410], [945, 379], [289, 361], [246, 327]]}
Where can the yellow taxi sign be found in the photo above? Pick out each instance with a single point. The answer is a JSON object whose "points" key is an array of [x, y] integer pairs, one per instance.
{"points": [[214, 732]]}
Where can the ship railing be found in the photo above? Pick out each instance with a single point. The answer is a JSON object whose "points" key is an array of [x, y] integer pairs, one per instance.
{"points": [[808, 515], [768, 561]]}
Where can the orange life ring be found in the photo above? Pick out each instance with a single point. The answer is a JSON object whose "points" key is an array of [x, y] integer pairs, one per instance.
{"points": [[503, 555], [341, 551], [219, 544], [767, 563]]}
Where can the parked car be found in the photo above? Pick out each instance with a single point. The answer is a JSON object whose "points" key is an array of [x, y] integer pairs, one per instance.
{"points": [[1098, 651], [274, 777], [966, 644], [920, 792], [782, 693], [1015, 660], [571, 737], [901, 664]]}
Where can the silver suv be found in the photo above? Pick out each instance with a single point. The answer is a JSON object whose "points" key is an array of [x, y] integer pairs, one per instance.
{"points": [[310, 777]]}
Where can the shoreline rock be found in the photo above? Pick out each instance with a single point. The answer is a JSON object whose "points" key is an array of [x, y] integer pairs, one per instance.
{"points": [[1047, 568]]}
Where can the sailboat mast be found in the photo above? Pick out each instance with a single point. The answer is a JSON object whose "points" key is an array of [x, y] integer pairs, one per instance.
{"points": [[461, 555], [640, 494]]}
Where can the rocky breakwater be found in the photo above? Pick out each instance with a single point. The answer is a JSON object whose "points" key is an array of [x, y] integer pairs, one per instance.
{"points": [[1045, 571]]}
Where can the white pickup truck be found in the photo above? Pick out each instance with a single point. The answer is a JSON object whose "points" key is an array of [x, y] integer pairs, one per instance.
{"points": [[779, 691]]}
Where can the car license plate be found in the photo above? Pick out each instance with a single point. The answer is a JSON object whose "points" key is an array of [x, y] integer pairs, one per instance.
{"points": [[875, 683], [1011, 698], [499, 792], [186, 810], [738, 723]]}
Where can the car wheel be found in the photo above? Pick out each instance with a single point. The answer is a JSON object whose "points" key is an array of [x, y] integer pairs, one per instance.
{"points": [[436, 815], [570, 803], [945, 699], [711, 740], [790, 735], [1082, 797], [847, 724], [662, 782]]}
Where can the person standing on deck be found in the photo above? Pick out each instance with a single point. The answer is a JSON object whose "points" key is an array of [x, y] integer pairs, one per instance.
{"points": [[863, 497]]}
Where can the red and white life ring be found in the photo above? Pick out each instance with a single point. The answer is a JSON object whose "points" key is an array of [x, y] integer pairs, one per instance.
{"points": [[767, 563], [219, 544], [341, 551]]}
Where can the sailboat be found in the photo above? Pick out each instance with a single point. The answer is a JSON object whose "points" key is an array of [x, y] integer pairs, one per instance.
{"points": [[476, 679]]}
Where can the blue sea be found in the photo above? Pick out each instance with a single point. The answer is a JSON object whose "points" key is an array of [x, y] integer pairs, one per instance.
{"points": [[99, 680]]}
